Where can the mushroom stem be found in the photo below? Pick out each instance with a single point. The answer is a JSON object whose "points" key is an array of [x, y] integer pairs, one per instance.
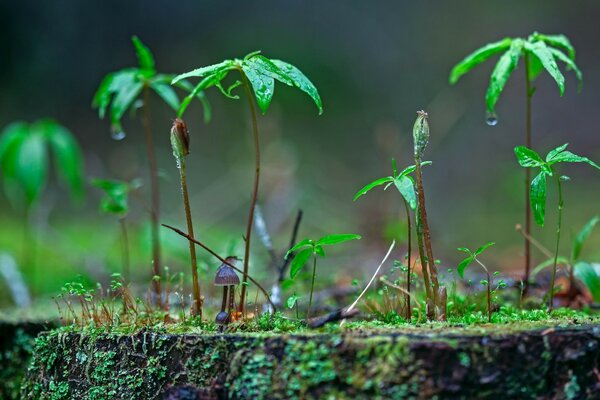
{"points": [[231, 300], [224, 302]]}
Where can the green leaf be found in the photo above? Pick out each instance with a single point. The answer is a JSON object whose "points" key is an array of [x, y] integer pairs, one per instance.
{"points": [[543, 53], [301, 82], [299, 261], [291, 301], [477, 57], [463, 265], [502, 71], [411, 168], [262, 83], [405, 186], [547, 263], [538, 197], [335, 239], [145, 58], [567, 156], [270, 68], [465, 250], [300, 244], [559, 41], [372, 185], [559, 55], [320, 251], [206, 71], [528, 158], [32, 165], [123, 100], [112, 84], [535, 68], [167, 93], [581, 237], [483, 248], [553, 153], [207, 82], [115, 196], [587, 274], [67, 156], [207, 115]]}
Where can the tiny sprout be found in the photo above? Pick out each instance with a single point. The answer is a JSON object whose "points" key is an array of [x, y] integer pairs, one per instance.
{"points": [[472, 256]]}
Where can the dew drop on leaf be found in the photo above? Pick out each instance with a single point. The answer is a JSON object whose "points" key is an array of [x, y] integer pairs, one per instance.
{"points": [[117, 134], [491, 119]]}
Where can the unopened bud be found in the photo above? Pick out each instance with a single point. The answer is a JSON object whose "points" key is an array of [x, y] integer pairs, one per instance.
{"points": [[421, 134], [180, 139]]}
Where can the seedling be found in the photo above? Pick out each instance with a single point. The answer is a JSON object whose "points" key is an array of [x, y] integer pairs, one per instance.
{"points": [[120, 91], [25, 166], [308, 247], [180, 143], [530, 159], [472, 256], [539, 52], [435, 294], [406, 186], [115, 202], [258, 74]]}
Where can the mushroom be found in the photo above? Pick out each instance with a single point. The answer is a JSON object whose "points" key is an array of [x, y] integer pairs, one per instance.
{"points": [[222, 319], [226, 277]]}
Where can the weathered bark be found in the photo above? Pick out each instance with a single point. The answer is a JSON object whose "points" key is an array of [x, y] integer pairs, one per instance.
{"points": [[555, 363]]}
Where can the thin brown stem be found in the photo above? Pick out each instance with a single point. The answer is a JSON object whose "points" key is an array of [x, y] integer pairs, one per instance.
{"points": [[527, 175], [252, 105], [312, 285], [218, 257], [408, 261], [197, 299], [155, 197], [558, 226]]}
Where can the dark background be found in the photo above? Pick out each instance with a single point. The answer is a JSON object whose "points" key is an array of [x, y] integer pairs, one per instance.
{"points": [[375, 63]]}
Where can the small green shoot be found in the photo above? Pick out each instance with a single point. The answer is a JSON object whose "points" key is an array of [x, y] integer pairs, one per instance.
{"points": [[547, 168], [258, 74], [306, 248]]}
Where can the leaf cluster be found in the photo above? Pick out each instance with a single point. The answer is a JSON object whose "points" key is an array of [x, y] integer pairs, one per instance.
{"points": [[116, 193], [472, 256], [543, 52], [25, 159]]}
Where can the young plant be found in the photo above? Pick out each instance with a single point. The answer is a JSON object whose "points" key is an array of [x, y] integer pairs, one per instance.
{"points": [[406, 186], [539, 52], [308, 247], [118, 92], [180, 143], [583, 270], [115, 202], [547, 168], [472, 256], [257, 75], [25, 165], [436, 295]]}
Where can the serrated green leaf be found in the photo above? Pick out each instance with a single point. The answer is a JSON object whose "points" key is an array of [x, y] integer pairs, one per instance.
{"points": [[588, 274], [483, 248], [262, 83], [559, 55], [543, 53], [527, 157], [463, 265], [407, 189], [299, 261], [300, 81], [502, 71], [335, 239], [581, 238], [559, 41], [167, 93], [372, 185], [206, 71], [477, 57], [67, 156], [145, 58], [300, 244], [538, 197]]}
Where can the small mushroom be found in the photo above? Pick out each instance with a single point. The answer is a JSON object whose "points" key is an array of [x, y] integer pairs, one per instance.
{"points": [[222, 319], [226, 277]]}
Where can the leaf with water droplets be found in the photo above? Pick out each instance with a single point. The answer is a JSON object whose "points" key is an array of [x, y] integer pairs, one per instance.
{"points": [[206, 71], [502, 71], [300, 81], [477, 57], [406, 187], [262, 82], [372, 185], [559, 41], [528, 158], [559, 55], [542, 52], [538, 197]]}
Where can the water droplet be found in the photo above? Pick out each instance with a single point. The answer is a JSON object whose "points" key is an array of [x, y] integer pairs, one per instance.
{"points": [[139, 103], [117, 135], [491, 119]]}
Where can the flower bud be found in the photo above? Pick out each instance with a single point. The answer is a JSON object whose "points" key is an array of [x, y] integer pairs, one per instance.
{"points": [[421, 134], [180, 139]]}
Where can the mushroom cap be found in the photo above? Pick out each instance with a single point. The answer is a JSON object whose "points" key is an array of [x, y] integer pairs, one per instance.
{"points": [[222, 318], [226, 275]]}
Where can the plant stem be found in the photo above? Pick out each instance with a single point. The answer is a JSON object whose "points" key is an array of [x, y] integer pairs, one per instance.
{"points": [[558, 226], [312, 285], [489, 289], [409, 250], [527, 174], [125, 249], [197, 303], [252, 105], [155, 197]]}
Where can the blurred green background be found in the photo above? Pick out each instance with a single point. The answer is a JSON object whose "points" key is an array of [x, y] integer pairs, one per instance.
{"points": [[374, 63]]}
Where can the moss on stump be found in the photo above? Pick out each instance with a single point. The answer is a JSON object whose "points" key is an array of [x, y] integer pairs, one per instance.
{"points": [[551, 363]]}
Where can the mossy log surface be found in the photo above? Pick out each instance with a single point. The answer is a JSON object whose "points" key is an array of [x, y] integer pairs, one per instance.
{"points": [[551, 363]]}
